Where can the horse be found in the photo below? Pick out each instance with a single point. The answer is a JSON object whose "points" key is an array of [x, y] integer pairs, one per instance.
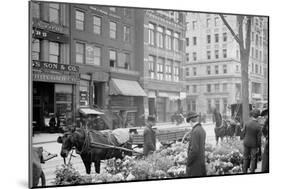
{"points": [[80, 139]]}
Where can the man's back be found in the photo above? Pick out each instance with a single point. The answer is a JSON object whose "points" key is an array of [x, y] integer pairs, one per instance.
{"points": [[252, 134]]}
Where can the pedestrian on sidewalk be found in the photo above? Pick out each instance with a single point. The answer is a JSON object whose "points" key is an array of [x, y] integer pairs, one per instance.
{"points": [[149, 136], [196, 150], [252, 142], [265, 155]]}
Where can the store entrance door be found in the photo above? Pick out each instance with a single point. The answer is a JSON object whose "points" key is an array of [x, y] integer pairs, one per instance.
{"points": [[161, 109], [43, 103], [151, 106]]}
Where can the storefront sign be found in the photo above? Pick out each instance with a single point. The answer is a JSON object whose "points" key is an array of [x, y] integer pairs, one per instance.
{"points": [[47, 26], [55, 67], [100, 76], [44, 34], [54, 78]]}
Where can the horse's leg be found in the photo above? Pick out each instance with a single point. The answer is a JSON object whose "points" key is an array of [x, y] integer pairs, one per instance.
{"points": [[97, 166], [87, 163]]}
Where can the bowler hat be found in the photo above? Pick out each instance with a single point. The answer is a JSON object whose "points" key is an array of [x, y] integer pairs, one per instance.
{"points": [[151, 118], [191, 115], [264, 112], [255, 113]]}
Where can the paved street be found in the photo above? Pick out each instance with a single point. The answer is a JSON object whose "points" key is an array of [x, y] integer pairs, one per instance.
{"points": [[48, 142]]}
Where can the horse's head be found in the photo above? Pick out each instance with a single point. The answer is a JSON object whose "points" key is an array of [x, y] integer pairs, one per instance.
{"points": [[67, 141]]}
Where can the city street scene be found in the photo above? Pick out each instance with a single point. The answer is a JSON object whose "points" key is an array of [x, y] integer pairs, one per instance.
{"points": [[123, 94]]}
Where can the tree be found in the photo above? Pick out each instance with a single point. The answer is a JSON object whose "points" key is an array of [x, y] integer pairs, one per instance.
{"points": [[244, 28]]}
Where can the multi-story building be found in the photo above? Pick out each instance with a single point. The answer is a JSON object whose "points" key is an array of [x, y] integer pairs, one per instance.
{"points": [[265, 56], [53, 77], [212, 66], [102, 44], [159, 52]]}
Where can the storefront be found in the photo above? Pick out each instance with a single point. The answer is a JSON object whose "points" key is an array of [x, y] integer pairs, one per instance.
{"points": [[124, 101], [53, 93]]}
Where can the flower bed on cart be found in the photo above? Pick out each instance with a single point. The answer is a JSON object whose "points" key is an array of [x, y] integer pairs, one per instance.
{"points": [[167, 162]]}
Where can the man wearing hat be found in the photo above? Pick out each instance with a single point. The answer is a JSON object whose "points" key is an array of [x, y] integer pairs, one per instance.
{"points": [[252, 142], [196, 149], [149, 136]]}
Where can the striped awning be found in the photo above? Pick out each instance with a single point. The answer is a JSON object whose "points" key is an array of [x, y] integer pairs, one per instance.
{"points": [[88, 111], [125, 88]]}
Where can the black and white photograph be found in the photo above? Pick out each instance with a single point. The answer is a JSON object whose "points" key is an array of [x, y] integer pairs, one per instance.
{"points": [[123, 94]]}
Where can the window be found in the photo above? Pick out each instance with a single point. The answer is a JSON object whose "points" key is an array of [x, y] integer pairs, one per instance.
{"points": [[193, 102], [253, 36], [112, 9], [176, 41], [194, 25], [187, 89], [216, 69], [209, 105], [126, 34], [260, 56], [168, 70], [127, 12], [253, 67], [80, 53], [224, 68], [54, 52], [160, 37], [187, 71], [237, 68], [97, 25], [160, 68], [194, 71], [169, 39], [194, 88], [216, 37], [217, 104], [187, 41], [208, 55], [216, 21], [208, 70], [257, 69], [217, 87], [224, 105], [252, 52], [176, 71], [216, 54], [208, 21], [124, 60], [79, 20], [151, 63], [224, 36], [257, 54], [224, 87], [151, 34], [260, 40], [224, 52], [260, 70], [194, 54], [93, 55], [35, 7], [194, 41], [257, 40], [112, 58], [187, 26], [208, 88], [112, 30], [208, 39], [35, 49], [187, 57], [54, 11]]}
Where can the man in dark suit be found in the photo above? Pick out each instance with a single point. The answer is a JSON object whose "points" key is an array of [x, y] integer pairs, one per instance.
{"points": [[149, 136], [252, 142], [196, 149], [265, 132]]}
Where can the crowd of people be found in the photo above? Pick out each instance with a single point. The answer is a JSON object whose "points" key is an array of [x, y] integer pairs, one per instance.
{"points": [[195, 166]]}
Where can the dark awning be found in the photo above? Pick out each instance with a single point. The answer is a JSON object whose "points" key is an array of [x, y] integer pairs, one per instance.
{"points": [[125, 88]]}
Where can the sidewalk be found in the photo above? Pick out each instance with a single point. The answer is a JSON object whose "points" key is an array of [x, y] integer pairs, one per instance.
{"points": [[43, 138]]}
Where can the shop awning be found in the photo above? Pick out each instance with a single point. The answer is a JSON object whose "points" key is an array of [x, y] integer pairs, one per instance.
{"points": [[125, 88], [88, 111]]}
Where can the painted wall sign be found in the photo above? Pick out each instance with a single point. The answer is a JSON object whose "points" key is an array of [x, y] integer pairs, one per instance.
{"points": [[54, 66], [55, 78], [44, 34]]}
